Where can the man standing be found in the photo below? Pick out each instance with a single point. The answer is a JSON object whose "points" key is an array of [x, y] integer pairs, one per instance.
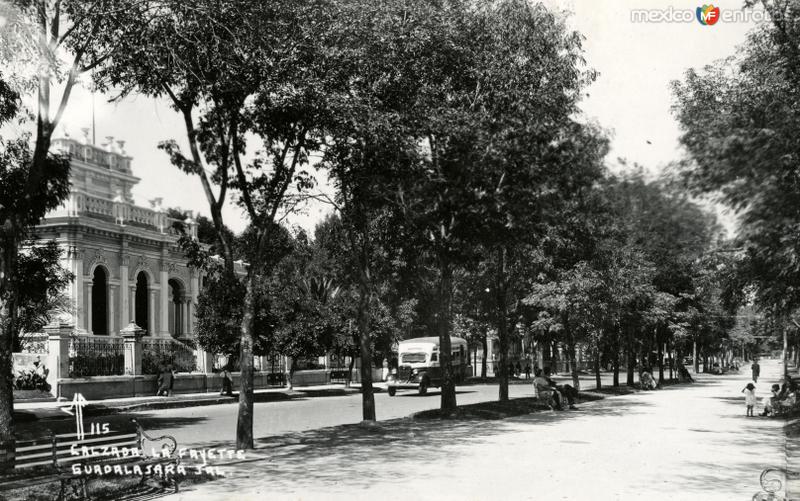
{"points": [[756, 370]]}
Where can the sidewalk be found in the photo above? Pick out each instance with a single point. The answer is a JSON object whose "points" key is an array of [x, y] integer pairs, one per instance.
{"points": [[687, 442], [32, 411]]}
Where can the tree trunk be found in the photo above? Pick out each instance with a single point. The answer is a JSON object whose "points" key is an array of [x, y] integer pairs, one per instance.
{"points": [[615, 362], [660, 363], [502, 323], [695, 361], [448, 402], [671, 361], [365, 343], [631, 363], [785, 354], [8, 260], [597, 380], [485, 345], [244, 425], [7, 398], [348, 380], [573, 356]]}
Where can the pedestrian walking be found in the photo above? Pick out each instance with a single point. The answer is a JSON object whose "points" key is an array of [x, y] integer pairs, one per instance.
{"points": [[385, 371], [528, 370], [756, 370], [750, 398], [172, 379], [227, 382], [511, 369], [164, 382]]}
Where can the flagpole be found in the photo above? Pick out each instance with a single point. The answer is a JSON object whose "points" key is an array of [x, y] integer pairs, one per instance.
{"points": [[93, 124]]}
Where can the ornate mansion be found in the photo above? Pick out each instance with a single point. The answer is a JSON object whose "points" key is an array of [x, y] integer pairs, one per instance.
{"points": [[126, 263]]}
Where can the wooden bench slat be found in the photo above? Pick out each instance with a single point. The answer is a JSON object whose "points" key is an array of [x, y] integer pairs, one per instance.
{"points": [[34, 447], [102, 438], [66, 452], [30, 465]]}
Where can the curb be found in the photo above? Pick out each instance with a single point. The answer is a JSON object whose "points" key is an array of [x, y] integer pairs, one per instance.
{"points": [[94, 410]]}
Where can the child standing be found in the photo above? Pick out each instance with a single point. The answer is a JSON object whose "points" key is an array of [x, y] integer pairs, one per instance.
{"points": [[750, 398]]}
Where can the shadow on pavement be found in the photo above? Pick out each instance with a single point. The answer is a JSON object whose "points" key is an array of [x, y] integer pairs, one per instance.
{"points": [[414, 393], [365, 454]]}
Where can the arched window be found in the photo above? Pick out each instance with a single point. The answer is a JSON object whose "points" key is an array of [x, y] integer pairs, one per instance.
{"points": [[176, 313], [141, 301], [99, 302]]}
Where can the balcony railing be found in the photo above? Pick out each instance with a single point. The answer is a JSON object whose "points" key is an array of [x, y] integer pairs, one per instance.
{"points": [[125, 213]]}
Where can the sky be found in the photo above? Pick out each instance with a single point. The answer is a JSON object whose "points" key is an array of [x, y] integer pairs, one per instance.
{"points": [[631, 97]]}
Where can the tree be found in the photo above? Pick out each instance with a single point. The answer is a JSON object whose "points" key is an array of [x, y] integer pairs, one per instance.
{"points": [[742, 151], [21, 207], [230, 70], [40, 286], [382, 59], [43, 43], [575, 305]]}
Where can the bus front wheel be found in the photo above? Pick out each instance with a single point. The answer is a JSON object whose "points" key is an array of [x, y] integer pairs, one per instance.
{"points": [[392, 390], [423, 387]]}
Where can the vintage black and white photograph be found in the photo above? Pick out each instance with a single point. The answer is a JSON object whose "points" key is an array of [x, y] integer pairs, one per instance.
{"points": [[416, 249]]}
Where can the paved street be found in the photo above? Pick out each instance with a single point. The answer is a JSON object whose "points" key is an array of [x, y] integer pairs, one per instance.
{"points": [[689, 442], [193, 425]]}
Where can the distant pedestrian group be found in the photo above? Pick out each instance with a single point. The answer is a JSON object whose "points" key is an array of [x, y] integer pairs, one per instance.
{"points": [[516, 370], [782, 397]]}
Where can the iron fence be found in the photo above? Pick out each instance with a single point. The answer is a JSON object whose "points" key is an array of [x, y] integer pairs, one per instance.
{"points": [[158, 353], [96, 356], [269, 364], [34, 342]]}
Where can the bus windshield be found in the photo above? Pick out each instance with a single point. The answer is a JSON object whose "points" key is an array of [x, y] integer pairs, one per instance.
{"points": [[412, 358]]}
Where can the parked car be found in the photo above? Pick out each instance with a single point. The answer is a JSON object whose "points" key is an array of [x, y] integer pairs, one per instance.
{"points": [[418, 364]]}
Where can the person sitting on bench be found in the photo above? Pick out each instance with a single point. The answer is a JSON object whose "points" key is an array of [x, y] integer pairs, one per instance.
{"points": [[561, 391], [544, 391]]}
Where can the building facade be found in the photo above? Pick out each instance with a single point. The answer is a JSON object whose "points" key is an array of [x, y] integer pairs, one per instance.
{"points": [[125, 258]]}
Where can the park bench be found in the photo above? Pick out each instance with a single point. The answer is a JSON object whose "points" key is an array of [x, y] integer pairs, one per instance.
{"points": [[546, 395], [51, 459], [783, 408], [276, 379], [339, 375]]}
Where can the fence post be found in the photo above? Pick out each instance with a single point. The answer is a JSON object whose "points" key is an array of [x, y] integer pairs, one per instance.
{"points": [[132, 336], [205, 361], [58, 336]]}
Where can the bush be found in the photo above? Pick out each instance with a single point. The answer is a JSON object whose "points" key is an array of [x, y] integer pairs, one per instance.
{"points": [[33, 379]]}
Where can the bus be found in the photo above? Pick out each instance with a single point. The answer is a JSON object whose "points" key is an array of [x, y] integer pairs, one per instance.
{"points": [[418, 364]]}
